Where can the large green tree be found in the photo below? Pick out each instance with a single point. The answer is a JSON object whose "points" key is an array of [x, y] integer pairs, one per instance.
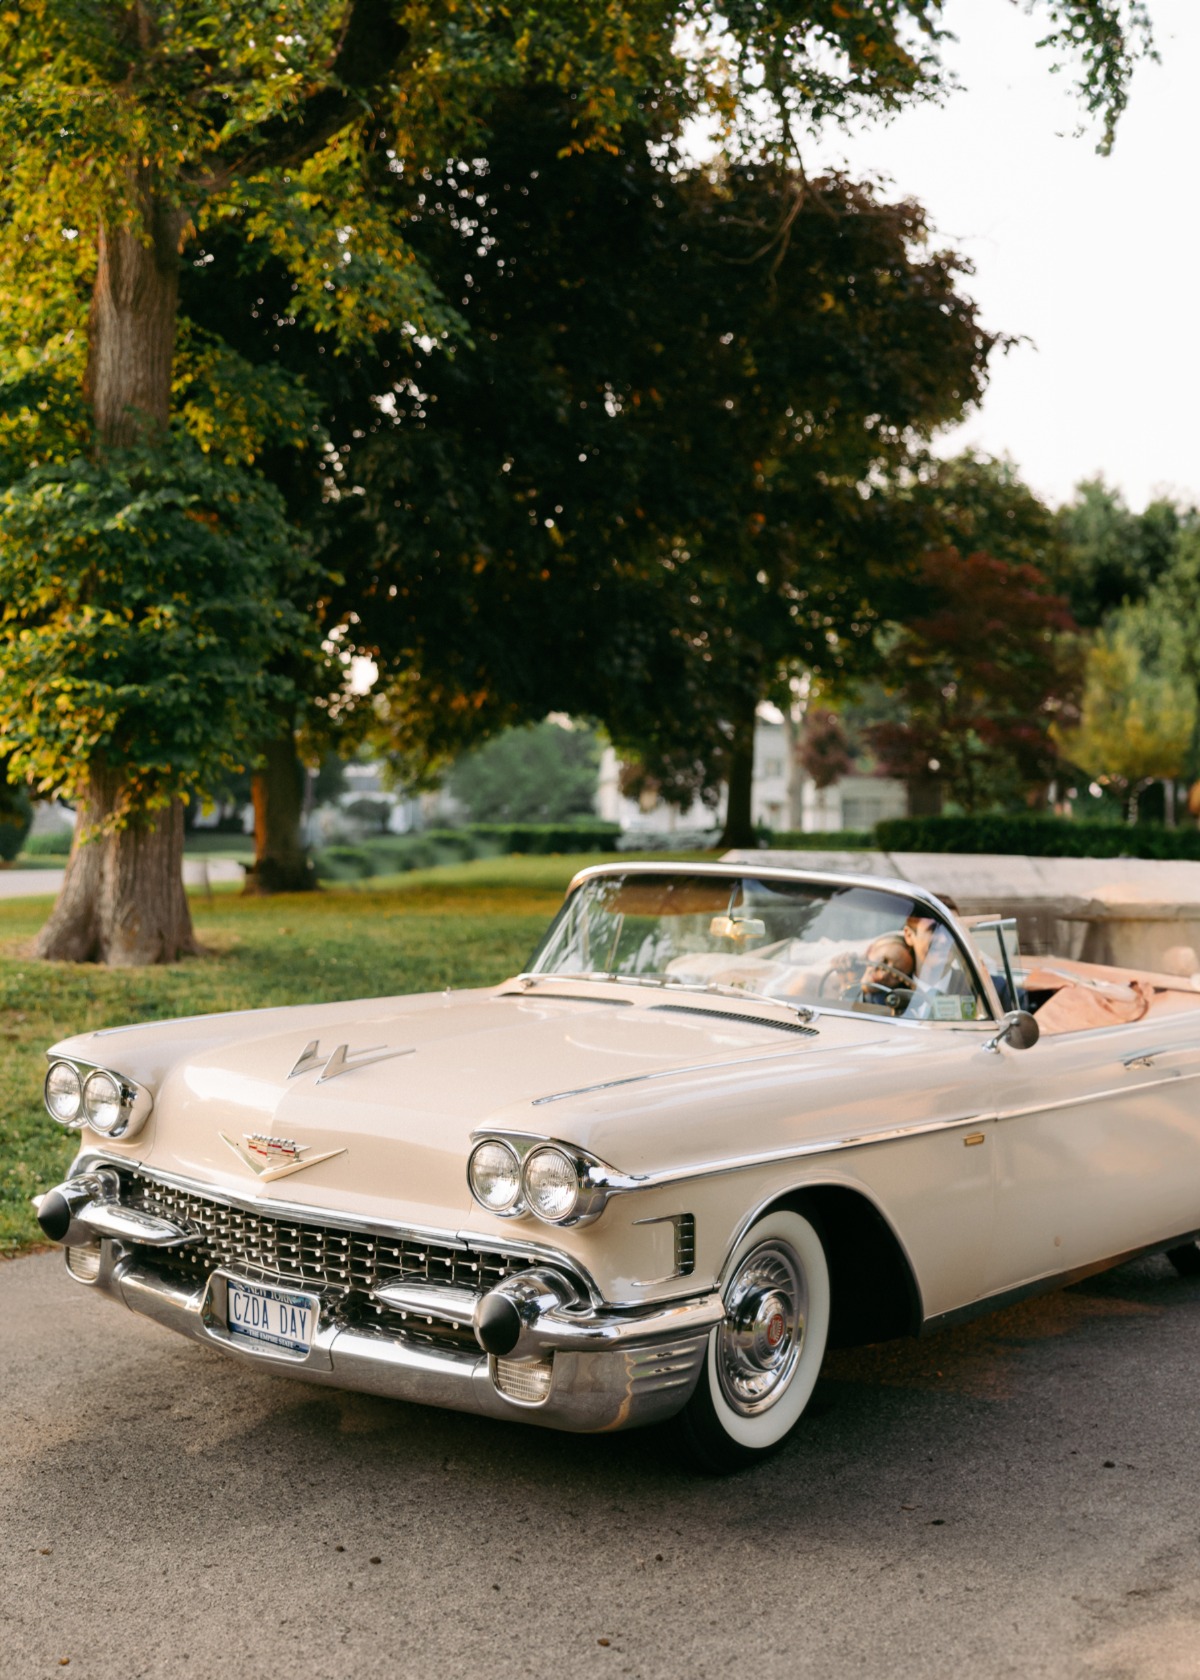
{"points": [[132, 131], [1108, 555], [127, 132], [1139, 710], [643, 493]]}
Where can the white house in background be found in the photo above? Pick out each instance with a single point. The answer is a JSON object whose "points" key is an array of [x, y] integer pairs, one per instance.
{"points": [[782, 796], [49, 817]]}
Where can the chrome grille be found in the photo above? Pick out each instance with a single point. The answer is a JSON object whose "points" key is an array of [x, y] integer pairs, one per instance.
{"points": [[343, 1264]]}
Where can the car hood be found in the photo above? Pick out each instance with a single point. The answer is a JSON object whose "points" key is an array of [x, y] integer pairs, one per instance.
{"points": [[383, 1096]]}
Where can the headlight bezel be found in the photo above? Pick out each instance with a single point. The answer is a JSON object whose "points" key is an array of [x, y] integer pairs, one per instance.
{"points": [[73, 1121], [595, 1181], [116, 1099], [133, 1101], [555, 1159], [513, 1207]]}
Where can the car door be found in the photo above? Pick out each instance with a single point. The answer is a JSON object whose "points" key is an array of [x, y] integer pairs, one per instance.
{"points": [[1097, 1140]]}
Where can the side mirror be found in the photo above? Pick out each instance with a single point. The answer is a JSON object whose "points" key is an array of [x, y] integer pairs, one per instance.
{"points": [[1019, 1030]]}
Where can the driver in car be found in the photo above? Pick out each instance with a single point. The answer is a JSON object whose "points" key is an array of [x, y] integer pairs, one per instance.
{"points": [[890, 964]]}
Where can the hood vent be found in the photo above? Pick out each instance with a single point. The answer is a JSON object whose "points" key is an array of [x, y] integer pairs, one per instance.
{"points": [[745, 1020]]}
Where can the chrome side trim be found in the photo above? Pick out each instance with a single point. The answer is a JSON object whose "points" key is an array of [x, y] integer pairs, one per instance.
{"points": [[1098, 1096], [797, 1152]]}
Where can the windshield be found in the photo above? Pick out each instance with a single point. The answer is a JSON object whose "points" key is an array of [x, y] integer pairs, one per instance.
{"points": [[845, 945]]}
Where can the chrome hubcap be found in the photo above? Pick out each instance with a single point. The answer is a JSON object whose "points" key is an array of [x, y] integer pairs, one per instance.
{"points": [[760, 1340]]}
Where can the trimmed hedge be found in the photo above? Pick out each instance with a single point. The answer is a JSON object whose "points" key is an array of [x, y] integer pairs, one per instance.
{"points": [[398, 853], [544, 838], [1036, 837], [393, 855], [828, 840]]}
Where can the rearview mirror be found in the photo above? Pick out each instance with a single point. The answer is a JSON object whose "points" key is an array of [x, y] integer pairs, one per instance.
{"points": [[1019, 1030], [737, 927]]}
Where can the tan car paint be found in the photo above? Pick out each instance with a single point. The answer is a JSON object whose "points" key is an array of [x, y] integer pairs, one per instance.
{"points": [[732, 1111], [694, 1092]]}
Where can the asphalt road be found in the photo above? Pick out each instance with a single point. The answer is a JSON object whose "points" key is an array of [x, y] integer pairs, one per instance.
{"points": [[1017, 1498]]}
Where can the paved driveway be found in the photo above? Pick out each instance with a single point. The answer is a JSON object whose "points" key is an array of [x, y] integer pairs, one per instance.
{"points": [[1017, 1498]]}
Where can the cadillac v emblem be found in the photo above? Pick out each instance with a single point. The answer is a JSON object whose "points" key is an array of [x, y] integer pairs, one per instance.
{"points": [[342, 1060], [273, 1157]]}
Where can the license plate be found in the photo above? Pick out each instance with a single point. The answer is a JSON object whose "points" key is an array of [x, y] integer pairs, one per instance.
{"points": [[270, 1318]]}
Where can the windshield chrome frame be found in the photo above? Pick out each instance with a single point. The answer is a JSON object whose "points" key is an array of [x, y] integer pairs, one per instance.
{"points": [[822, 878]]}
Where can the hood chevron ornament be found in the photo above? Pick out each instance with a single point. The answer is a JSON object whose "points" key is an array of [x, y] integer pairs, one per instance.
{"points": [[342, 1060], [274, 1157]]}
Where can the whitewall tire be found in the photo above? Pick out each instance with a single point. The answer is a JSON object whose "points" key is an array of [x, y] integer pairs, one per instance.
{"points": [[763, 1360]]}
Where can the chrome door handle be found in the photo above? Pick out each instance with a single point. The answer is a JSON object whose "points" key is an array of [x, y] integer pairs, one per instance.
{"points": [[1147, 1058]]}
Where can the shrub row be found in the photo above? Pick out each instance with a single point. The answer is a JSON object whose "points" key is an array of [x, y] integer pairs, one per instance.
{"points": [[544, 838], [1036, 837], [57, 844], [831, 840], [397, 854]]}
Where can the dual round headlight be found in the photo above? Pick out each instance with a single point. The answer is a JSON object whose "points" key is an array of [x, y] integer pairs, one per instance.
{"points": [[95, 1099], [548, 1182], [63, 1093], [494, 1174]]}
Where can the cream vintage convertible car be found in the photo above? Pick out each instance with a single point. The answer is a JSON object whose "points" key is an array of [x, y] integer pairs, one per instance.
{"points": [[726, 1117]]}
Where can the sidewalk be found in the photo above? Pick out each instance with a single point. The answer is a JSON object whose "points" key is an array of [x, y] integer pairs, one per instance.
{"points": [[32, 883]]}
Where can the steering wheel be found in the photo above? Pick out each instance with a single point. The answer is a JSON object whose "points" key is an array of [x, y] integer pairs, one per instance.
{"points": [[839, 980], [852, 986]]}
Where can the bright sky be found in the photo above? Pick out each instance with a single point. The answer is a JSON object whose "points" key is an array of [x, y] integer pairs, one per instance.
{"points": [[1096, 260]]}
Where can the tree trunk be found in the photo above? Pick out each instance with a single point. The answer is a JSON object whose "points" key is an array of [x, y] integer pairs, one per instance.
{"points": [[131, 329], [739, 822], [281, 860], [122, 900]]}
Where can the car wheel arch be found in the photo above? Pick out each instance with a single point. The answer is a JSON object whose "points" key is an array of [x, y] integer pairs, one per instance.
{"points": [[875, 1293]]}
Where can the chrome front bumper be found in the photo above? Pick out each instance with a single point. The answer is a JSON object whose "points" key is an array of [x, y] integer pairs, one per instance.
{"points": [[610, 1369]]}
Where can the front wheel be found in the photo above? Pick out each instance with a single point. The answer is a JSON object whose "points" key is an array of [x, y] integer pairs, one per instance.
{"points": [[763, 1359], [1186, 1260]]}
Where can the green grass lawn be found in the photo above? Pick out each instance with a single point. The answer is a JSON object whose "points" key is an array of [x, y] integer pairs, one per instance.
{"points": [[467, 924]]}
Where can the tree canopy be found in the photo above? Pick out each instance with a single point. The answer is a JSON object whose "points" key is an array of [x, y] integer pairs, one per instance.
{"points": [[142, 138], [1138, 717], [650, 472]]}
